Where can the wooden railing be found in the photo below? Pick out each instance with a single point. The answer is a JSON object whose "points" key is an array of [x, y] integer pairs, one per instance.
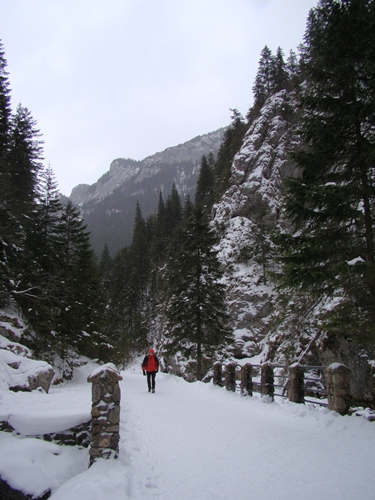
{"points": [[325, 386]]}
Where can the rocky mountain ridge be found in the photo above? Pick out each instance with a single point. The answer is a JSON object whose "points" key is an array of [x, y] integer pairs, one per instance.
{"points": [[122, 170], [108, 206]]}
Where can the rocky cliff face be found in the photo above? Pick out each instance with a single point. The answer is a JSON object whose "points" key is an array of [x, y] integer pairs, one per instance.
{"points": [[246, 217], [108, 206], [267, 325]]}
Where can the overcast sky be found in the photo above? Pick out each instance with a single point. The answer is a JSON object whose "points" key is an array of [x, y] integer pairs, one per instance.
{"points": [[128, 78]]}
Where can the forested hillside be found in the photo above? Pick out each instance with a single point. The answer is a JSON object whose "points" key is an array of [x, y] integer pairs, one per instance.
{"points": [[274, 257]]}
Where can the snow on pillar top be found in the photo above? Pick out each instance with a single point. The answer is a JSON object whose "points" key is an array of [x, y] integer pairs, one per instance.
{"points": [[107, 370]]}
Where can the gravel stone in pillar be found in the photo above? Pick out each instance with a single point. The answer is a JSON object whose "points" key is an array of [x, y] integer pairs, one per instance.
{"points": [[338, 388], [247, 380], [105, 412], [230, 377], [296, 384]]}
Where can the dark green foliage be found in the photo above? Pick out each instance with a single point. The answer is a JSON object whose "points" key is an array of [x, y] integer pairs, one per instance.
{"points": [[331, 205], [128, 292], [173, 212], [263, 85], [204, 192], [5, 109], [24, 163], [231, 143], [111, 220], [105, 264], [274, 75], [195, 311]]}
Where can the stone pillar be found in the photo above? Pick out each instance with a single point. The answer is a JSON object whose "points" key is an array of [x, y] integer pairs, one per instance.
{"points": [[267, 387], [218, 375], [247, 380], [296, 384], [105, 412], [230, 377], [338, 388]]}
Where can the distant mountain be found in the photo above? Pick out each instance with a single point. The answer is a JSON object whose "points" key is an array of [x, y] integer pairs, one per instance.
{"points": [[108, 206]]}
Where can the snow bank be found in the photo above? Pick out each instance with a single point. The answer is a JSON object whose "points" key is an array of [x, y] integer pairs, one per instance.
{"points": [[191, 441]]}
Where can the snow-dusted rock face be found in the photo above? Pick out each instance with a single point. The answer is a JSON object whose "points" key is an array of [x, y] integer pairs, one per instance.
{"points": [[185, 157], [246, 216], [284, 330], [108, 206], [20, 373]]}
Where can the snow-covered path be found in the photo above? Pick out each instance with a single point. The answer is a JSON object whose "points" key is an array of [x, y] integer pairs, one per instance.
{"points": [[197, 441], [189, 441]]}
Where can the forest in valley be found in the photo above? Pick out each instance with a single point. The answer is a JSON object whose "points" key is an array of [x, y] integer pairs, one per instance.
{"points": [[167, 289]]}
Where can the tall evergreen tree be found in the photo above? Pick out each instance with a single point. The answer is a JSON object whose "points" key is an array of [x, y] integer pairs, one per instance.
{"points": [[11, 234], [195, 312], [25, 162], [204, 191], [105, 263], [48, 213], [78, 298], [230, 145], [331, 253], [5, 111], [263, 84], [173, 211], [279, 71]]}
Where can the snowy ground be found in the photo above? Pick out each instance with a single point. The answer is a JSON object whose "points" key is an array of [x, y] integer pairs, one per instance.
{"points": [[189, 441]]}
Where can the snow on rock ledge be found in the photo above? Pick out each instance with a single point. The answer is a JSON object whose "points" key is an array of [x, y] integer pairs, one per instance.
{"points": [[19, 373]]}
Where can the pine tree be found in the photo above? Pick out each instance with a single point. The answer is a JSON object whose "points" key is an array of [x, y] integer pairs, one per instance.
{"points": [[138, 281], [263, 85], [279, 71], [25, 162], [118, 316], [5, 112], [48, 213], [11, 234], [230, 145], [105, 264], [78, 297], [188, 210], [204, 191], [331, 253], [173, 211], [40, 262], [195, 311]]}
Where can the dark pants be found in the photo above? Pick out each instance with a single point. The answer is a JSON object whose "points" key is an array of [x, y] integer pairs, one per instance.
{"points": [[151, 380]]}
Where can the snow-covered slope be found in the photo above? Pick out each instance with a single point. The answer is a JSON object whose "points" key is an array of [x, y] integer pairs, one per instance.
{"points": [[192, 441]]}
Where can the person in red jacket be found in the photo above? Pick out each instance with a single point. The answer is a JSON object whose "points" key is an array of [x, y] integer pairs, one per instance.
{"points": [[150, 366]]}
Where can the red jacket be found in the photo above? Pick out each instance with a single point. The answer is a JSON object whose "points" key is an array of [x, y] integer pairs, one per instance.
{"points": [[150, 363]]}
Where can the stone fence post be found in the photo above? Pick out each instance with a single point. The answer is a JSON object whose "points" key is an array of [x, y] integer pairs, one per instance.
{"points": [[105, 412], [338, 388], [218, 375], [296, 384], [267, 387], [230, 377], [247, 380]]}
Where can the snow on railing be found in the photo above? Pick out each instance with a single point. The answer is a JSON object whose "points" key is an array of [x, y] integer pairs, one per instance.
{"points": [[324, 386]]}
